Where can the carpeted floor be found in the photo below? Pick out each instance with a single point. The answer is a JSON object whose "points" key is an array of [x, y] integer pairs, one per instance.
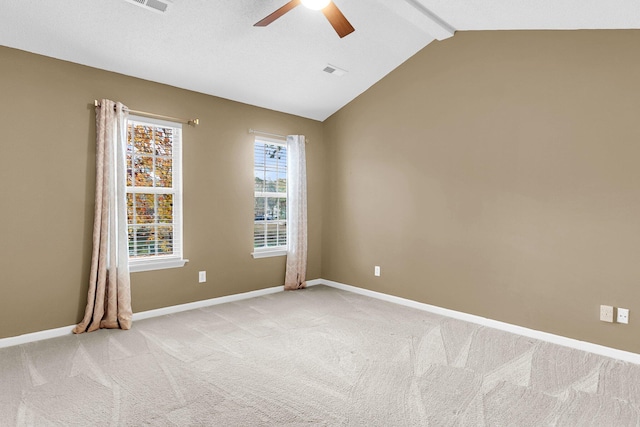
{"points": [[320, 356]]}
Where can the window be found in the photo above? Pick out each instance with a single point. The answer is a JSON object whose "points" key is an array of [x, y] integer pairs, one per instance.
{"points": [[270, 191], [154, 194]]}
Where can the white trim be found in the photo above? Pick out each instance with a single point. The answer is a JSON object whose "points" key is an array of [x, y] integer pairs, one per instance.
{"points": [[176, 190], [282, 142], [36, 336], [205, 303], [67, 330], [601, 350], [157, 122], [507, 327], [436, 26], [153, 263], [425, 20], [260, 164], [273, 195], [268, 253]]}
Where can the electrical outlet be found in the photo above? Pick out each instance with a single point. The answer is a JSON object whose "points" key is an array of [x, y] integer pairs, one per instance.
{"points": [[623, 315], [376, 270], [606, 313], [202, 276]]}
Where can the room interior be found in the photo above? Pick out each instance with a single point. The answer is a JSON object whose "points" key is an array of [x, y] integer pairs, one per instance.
{"points": [[483, 156], [320, 356]]}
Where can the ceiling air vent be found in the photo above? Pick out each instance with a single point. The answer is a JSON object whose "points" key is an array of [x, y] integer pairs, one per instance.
{"points": [[153, 5], [332, 69]]}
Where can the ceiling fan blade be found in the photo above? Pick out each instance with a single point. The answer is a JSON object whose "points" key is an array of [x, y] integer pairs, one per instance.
{"points": [[277, 14], [337, 20]]}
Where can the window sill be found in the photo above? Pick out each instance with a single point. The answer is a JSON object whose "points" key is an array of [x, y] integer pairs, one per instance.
{"points": [[269, 253], [156, 264]]}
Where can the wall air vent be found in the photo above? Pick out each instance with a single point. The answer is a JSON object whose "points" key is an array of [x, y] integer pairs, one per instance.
{"points": [[153, 5], [332, 69]]}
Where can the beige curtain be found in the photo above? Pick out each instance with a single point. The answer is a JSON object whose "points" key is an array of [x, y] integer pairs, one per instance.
{"points": [[296, 213], [109, 296]]}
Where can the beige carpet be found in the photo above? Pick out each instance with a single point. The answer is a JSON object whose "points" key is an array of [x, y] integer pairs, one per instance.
{"points": [[320, 356]]}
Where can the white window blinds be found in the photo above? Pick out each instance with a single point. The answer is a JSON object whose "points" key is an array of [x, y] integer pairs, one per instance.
{"points": [[270, 195]]}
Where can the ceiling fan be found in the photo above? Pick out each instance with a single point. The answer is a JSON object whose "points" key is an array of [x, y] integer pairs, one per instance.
{"points": [[329, 9]]}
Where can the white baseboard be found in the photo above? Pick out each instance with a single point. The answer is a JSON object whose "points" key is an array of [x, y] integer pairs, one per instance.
{"points": [[532, 333], [205, 303], [36, 336], [66, 330], [507, 327]]}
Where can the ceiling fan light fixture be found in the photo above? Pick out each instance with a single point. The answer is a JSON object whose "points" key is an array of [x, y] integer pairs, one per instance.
{"points": [[329, 9], [315, 4]]}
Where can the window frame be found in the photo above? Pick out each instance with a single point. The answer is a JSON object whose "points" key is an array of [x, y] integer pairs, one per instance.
{"points": [[280, 250], [176, 259]]}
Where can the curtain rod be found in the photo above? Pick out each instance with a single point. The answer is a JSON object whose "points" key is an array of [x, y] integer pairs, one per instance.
{"points": [[267, 133], [271, 134], [190, 122]]}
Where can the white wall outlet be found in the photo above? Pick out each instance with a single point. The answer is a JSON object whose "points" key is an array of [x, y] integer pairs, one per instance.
{"points": [[202, 276], [623, 315], [606, 313], [376, 270]]}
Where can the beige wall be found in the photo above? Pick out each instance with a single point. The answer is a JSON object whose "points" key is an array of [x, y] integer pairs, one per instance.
{"points": [[47, 157], [496, 173]]}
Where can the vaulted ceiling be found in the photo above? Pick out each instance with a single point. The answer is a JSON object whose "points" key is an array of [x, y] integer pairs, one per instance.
{"points": [[212, 46]]}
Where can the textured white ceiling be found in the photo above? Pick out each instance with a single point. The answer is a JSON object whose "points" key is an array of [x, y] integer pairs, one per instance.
{"points": [[212, 47]]}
